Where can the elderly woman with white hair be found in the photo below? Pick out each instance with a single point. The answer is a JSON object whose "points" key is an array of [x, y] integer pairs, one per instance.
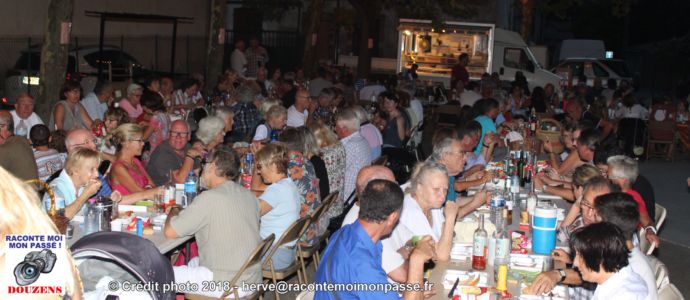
{"points": [[132, 103], [423, 212], [369, 131], [211, 132]]}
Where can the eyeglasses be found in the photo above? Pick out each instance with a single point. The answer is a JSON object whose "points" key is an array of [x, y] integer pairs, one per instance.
{"points": [[179, 133], [137, 140], [586, 204]]}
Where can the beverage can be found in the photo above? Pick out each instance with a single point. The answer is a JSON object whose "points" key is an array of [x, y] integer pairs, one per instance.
{"points": [[246, 180]]}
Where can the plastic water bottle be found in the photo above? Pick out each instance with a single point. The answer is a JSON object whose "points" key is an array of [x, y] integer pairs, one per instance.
{"points": [[21, 129], [274, 136], [190, 187], [498, 202]]}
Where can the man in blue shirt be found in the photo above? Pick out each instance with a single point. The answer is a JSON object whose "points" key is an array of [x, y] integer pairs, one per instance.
{"points": [[354, 253], [488, 109]]}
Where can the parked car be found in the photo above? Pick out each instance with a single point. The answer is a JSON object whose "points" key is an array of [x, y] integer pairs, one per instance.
{"points": [[596, 68], [113, 61]]}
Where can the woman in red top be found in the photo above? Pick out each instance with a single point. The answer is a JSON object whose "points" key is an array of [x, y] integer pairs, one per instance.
{"points": [[128, 173]]}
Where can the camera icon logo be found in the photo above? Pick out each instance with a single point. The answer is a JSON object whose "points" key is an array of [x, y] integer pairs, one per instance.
{"points": [[35, 263]]}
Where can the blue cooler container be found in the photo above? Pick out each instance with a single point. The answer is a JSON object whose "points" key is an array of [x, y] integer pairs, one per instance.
{"points": [[544, 223]]}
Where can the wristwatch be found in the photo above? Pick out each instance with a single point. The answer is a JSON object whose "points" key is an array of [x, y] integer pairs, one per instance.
{"points": [[562, 273]]}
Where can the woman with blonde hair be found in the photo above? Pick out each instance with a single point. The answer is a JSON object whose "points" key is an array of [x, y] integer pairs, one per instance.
{"points": [[77, 182], [20, 214], [128, 173], [329, 148]]}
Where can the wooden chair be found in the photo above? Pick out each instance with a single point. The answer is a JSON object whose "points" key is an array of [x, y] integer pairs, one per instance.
{"points": [[307, 252], [659, 215], [254, 259], [662, 130], [380, 161], [293, 233], [447, 110]]}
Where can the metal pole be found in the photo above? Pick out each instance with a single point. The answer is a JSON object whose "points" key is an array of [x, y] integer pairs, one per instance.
{"points": [[76, 56], [187, 54], [172, 55], [100, 47]]}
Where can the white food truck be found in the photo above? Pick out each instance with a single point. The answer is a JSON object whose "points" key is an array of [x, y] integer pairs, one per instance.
{"points": [[490, 50]]}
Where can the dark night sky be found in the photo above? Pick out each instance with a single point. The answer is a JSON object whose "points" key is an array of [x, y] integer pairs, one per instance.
{"points": [[648, 21]]}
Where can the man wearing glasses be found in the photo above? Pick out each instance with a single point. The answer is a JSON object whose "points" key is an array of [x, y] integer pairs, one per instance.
{"points": [[16, 155], [175, 156]]}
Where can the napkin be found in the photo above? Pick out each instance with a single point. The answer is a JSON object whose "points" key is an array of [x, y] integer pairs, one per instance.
{"points": [[464, 231]]}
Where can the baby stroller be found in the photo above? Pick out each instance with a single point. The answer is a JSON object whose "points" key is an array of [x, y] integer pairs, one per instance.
{"points": [[121, 257]]}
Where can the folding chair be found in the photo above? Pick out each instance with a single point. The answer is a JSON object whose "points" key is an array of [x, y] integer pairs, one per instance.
{"points": [[305, 252], [293, 233], [254, 259]]}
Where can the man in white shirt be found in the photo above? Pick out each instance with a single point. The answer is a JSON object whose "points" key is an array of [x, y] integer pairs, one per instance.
{"points": [[24, 116], [297, 113], [96, 103], [602, 257], [371, 90], [365, 175], [468, 96], [357, 150], [238, 61]]}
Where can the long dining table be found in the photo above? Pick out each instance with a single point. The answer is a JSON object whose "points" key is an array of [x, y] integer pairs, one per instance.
{"points": [[437, 275]]}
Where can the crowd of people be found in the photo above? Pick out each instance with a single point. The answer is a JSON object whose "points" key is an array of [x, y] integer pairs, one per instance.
{"points": [[311, 138]]}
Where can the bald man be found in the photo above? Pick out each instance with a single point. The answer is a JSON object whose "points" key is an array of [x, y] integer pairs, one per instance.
{"points": [[16, 155], [297, 114], [365, 175], [174, 156]]}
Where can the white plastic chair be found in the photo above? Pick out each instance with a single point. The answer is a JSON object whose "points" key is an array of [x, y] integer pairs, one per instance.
{"points": [[645, 246], [305, 295], [660, 272], [670, 292], [659, 215]]}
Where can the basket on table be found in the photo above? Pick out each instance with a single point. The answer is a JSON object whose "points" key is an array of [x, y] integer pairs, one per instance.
{"points": [[553, 136], [57, 216]]}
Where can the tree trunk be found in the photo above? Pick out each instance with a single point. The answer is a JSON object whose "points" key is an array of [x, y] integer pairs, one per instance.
{"points": [[53, 57], [366, 10], [527, 18], [309, 56], [215, 50]]}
